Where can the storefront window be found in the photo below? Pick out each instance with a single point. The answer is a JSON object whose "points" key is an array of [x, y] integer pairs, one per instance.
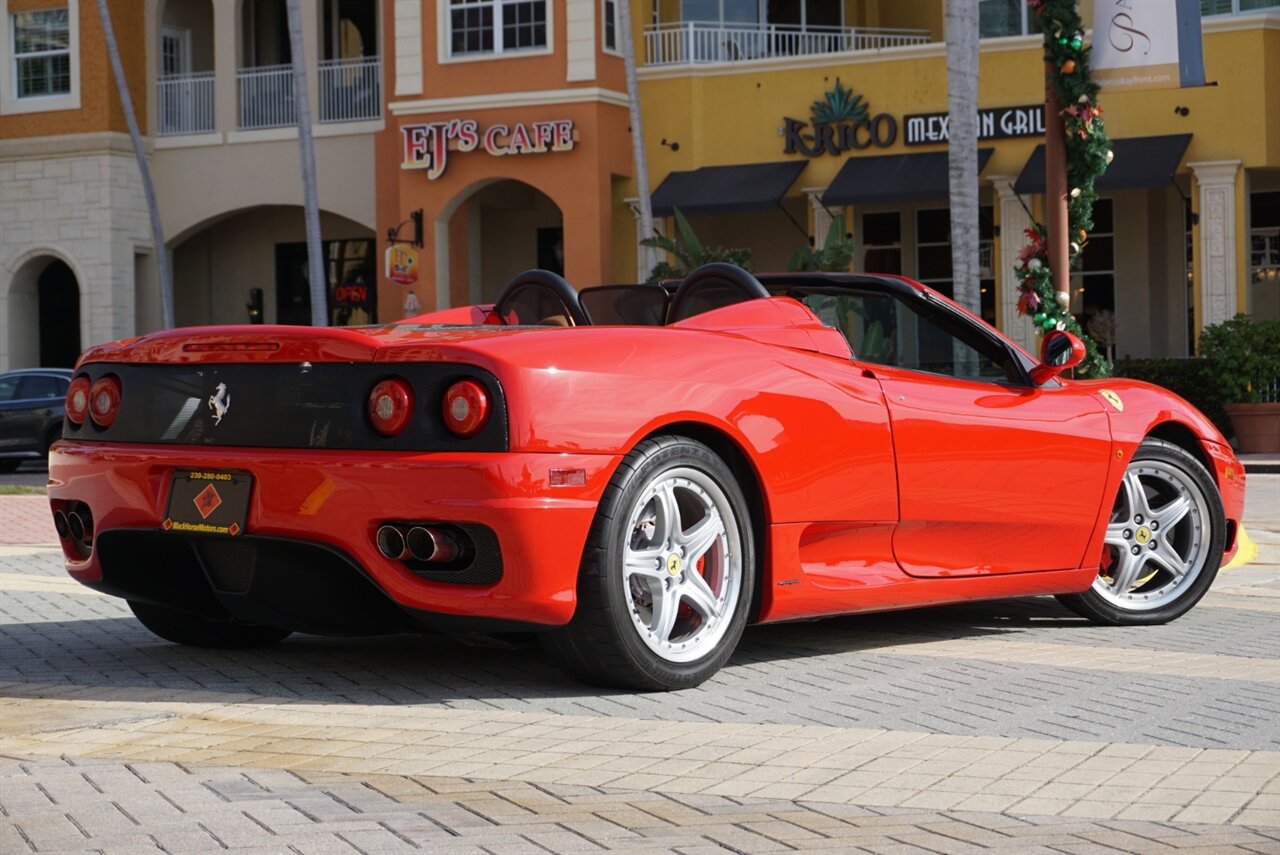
{"points": [[349, 268], [1264, 255], [1093, 286], [42, 53], [496, 26], [882, 242], [1235, 7], [933, 254], [1005, 18]]}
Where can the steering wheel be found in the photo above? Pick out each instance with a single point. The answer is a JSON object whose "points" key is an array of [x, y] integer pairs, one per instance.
{"points": [[713, 286], [540, 296]]}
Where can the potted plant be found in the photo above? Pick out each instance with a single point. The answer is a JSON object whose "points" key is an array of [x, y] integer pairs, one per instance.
{"points": [[1245, 359]]}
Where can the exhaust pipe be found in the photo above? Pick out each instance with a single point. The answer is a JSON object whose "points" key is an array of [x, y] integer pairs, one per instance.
{"points": [[75, 525], [431, 544], [60, 523], [391, 542]]}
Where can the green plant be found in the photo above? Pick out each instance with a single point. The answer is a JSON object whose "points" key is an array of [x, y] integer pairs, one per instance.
{"points": [[835, 256], [1246, 357], [689, 252]]}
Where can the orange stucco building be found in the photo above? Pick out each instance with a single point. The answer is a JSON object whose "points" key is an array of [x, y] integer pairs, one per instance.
{"points": [[496, 144]]}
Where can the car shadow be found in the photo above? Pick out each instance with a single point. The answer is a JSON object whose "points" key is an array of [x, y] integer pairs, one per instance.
{"points": [[102, 657]]}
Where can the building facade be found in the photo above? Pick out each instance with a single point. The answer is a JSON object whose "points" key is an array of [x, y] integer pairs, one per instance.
{"points": [[212, 87], [1188, 226], [497, 133]]}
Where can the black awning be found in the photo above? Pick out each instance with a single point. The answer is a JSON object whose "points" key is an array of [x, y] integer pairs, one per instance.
{"points": [[1139, 162], [716, 189], [894, 178]]}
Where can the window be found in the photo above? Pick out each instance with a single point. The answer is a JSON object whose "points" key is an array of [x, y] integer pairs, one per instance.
{"points": [[8, 385], [38, 387], [882, 242], [496, 26], [42, 53], [933, 255], [1006, 18], [1093, 286], [610, 17], [889, 330], [1235, 7], [1264, 255]]}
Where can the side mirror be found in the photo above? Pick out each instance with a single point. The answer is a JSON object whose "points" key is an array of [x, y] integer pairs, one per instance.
{"points": [[1059, 351]]}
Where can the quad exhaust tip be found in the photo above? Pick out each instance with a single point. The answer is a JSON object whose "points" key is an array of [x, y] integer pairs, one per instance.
{"points": [[75, 525], [60, 523], [424, 543], [431, 544]]}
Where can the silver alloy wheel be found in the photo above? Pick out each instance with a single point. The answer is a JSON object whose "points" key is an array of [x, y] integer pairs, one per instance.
{"points": [[682, 564], [1157, 539]]}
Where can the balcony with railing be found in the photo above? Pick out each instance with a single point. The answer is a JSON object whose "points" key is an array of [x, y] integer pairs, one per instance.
{"points": [[266, 97], [185, 103], [350, 89], [699, 42]]}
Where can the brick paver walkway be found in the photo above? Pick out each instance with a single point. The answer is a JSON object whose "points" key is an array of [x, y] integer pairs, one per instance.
{"points": [[1006, 726]]}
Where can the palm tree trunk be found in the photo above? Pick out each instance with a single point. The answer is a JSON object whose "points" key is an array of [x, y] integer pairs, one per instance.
{"points": [[962, 113], [140, 154], [637, 134], [307, 155]]}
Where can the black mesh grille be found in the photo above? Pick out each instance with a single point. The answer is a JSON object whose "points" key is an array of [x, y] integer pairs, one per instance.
{"points": [[230, 564]]}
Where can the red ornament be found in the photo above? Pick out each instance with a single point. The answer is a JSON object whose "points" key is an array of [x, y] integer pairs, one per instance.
{"points": [[1069, 67]]}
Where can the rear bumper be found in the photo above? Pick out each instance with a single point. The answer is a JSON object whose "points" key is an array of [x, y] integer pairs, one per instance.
{"points": [[336, 500]]}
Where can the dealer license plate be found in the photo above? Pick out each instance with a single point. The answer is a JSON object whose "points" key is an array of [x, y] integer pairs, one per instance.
{"points": [[208, 502]]}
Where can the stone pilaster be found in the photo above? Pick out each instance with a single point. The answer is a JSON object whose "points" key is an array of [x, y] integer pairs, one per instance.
{"points": [[821, 215], [1014, 221], [1216, 252]]}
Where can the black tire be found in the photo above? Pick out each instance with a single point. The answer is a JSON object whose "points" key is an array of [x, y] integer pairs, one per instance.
{"points": [[602, 644], [10, 464], [195, 631], [1161, 456]]}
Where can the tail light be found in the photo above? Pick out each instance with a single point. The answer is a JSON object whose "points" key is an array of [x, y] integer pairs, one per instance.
{"points": [[78, 400], [466, 408], [104, 400], [390, 406]]}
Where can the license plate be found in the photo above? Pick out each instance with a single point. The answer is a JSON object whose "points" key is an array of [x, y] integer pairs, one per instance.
{"points": [[208, 502]]}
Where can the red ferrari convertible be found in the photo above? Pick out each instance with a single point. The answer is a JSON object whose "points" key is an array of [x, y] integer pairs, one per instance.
{"points": [[634, 472]]}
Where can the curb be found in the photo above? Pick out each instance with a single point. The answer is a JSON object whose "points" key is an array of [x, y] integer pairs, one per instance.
{"points": [[1246, 550]]}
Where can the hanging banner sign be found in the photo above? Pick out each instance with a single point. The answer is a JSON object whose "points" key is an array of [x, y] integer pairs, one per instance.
{"points": [[401, 264], [427, 146], [1147, 44], [998, 123]]}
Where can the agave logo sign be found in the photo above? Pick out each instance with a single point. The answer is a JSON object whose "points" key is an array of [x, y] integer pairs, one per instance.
{"points": [[840, 122]]}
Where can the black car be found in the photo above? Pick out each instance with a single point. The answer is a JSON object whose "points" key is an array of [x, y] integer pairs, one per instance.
{"points": [[32, 402]]}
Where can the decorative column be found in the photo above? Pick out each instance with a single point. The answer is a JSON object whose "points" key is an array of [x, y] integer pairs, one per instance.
{"points": [[821, 216], [1216, 261], [1014, 221], [226, 62], [646, 256]]}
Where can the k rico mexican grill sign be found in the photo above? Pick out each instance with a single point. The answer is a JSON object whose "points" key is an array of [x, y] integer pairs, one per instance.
{"points": [[840, 122]]}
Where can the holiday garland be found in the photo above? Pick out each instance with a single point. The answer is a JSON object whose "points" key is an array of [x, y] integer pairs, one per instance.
{"points": [[1088, 152]]}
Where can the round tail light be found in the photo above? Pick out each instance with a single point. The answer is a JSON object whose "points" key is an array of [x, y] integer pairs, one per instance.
{"points": [[104, 401], [466, 408], [391, 406], [78, 400]]}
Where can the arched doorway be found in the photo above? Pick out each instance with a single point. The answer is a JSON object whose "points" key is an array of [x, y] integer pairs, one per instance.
{"points": [[489, 233], [44, 314], [251, 266], [59, 316]]}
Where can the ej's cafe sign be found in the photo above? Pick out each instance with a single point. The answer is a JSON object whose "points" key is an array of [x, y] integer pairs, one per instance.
{"points": [[427, 146]]}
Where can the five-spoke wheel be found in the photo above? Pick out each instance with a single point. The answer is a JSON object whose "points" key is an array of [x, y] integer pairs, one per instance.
{"points": [[1163, 544], [666, 578]]}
